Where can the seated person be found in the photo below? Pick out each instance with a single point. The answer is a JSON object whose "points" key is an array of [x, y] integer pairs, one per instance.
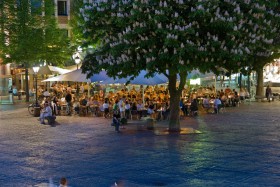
{"points": [[217, 104], [76, 106], [46, 111], [84, 101], [151, 108], [84, 106], [235, 98], [194, 106], [166, 111], [206, 103]]}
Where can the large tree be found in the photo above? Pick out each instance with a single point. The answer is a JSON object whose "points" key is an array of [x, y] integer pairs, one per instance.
{"points": [[169, 37], [30, 35], [260, 24]]}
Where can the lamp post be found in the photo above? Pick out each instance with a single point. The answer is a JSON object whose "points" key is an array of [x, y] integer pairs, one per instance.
{"points": [[77, 61], [36, 69]]}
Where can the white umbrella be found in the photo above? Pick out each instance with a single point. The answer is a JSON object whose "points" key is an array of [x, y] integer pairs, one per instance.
{"points": [[50, 70], [74, 76], [140, 79]]}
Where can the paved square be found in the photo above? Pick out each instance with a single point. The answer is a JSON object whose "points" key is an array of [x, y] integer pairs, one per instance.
{"points": [[240, 147]]}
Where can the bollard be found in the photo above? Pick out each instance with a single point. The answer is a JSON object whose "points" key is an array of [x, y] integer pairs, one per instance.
{"points": [[150, 124], [37, 111]]}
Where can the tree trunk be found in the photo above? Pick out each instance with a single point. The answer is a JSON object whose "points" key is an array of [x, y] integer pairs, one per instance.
{"points": [[26, 85], [175, 95], [259, 88], [240, 81]]}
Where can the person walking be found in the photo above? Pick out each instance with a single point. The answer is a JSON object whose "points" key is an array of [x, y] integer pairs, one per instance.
{"points": [[268, 93]]}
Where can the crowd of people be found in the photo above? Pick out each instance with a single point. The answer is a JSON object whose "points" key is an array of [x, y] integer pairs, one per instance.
{"points": [[136, 101]]}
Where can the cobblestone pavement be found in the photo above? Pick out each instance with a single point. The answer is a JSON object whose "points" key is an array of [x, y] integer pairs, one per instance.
{"points": [[240, 147]]}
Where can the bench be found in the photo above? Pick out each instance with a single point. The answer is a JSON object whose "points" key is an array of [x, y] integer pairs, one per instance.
{"points": [[260, 98], [146, 123], [51, 119]]}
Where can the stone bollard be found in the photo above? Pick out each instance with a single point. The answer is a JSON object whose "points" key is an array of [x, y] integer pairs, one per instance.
{"points": [[150, 124], [37, 111]]}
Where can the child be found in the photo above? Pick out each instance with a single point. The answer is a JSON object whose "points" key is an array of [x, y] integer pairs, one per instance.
{"points": [[116, 122]]}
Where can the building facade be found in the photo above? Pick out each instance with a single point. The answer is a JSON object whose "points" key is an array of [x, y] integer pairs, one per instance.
{"points": [[13, 74]]}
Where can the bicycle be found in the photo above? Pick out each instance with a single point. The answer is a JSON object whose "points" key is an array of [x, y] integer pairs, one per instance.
{"points": [[31, 108]]}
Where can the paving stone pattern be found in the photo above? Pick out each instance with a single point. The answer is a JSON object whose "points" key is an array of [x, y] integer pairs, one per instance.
{"points": [[240, 147]]}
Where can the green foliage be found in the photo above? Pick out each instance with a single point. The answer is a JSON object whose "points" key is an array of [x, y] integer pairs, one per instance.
{"points": [[30, 34], [177, 36]]}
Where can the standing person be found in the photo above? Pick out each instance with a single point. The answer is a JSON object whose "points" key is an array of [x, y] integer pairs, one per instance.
{"points": [[76, 106], [127, 109], [116, 109], [183, 107], [54, 105], [15, 92], [106, 108], [47, 111], [122, 107], [68, 99], [268, 93]]}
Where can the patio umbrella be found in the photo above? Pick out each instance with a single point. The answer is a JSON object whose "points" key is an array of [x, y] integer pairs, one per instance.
{"points": [[49, 70], [140, 79], [101, 76], [74, 76], [198, 74]]}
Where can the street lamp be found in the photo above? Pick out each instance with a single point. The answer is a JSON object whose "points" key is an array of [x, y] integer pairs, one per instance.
{"points": [[77, 61], [36, 70]]}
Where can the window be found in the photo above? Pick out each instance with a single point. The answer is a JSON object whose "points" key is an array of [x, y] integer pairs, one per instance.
{"points": [[62, 8]]}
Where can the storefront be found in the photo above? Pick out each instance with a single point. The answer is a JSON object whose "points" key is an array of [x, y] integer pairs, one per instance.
{"points": [[271, 73]]}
